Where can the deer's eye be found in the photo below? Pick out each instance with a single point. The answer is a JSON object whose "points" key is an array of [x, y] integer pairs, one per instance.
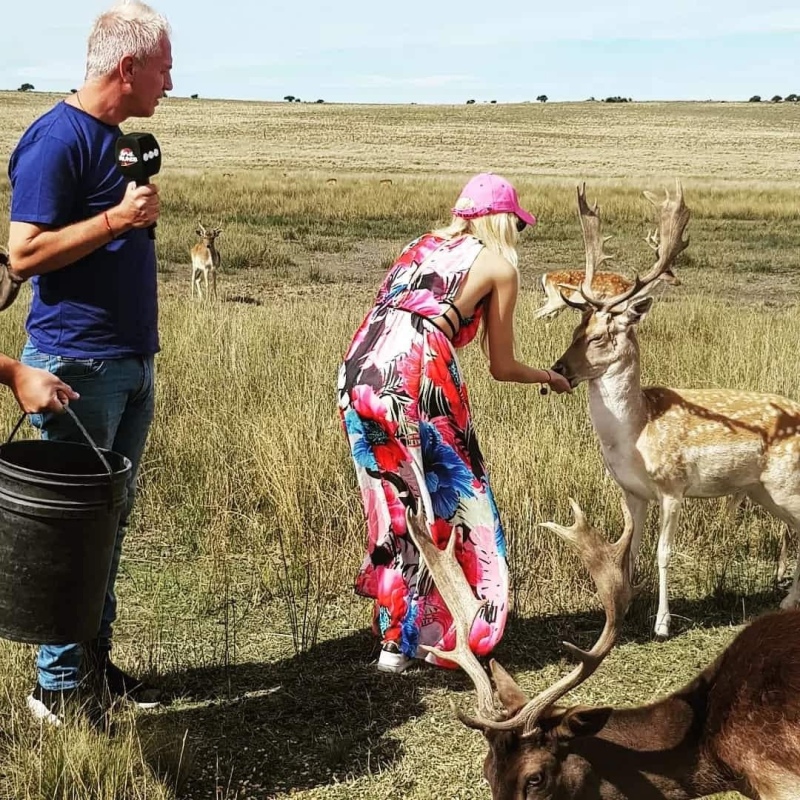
{"points": [[597, 338], [534, 782]]}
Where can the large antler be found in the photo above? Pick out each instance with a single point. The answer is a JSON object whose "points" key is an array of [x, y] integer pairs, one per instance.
{"points": [[460, 601], [593, 243], [609, 566], [668, 243]]}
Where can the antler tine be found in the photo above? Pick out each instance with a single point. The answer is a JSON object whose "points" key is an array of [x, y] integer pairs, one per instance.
{"points": [[462, 604], [609, 566], [580, 306], [673, 218], [593, 244]]}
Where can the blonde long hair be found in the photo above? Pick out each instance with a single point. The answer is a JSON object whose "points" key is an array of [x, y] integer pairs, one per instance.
{"points": [[498, 232]]}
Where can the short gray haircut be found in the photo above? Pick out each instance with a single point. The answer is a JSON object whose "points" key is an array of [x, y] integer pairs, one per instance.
{"points": [[130, 28]]}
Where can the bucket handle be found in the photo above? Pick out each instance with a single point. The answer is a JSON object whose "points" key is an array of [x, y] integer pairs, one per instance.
{"points": [[82, 430]]}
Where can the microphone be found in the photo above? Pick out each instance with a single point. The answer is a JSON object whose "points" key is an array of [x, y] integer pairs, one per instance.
{"points": [[138, 159]]}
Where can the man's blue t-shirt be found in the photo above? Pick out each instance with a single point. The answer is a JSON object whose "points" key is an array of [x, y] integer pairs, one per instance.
{"points": [[105, 305]]}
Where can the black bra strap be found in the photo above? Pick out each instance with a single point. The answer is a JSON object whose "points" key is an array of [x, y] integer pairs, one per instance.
{"points": [[461, 321], [447, 319]]}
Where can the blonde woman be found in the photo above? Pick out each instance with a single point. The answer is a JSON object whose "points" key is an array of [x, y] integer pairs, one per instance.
{"points": [[403, 402]]}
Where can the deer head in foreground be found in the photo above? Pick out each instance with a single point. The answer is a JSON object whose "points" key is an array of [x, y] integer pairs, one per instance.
{"points": [[663, 444], [205, 261], [708, 737]]}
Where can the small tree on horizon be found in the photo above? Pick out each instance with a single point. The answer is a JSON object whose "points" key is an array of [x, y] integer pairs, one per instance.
{"points": [[542, 98], [470, 102], [289, 98], [26, 87], [756, 98]]}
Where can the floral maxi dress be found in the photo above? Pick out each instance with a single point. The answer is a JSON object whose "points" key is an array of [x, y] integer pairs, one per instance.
{"points": [[402, 398]]}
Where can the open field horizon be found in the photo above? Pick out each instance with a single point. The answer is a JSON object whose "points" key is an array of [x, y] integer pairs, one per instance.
{"points": [[709, 142], [236, 582]]}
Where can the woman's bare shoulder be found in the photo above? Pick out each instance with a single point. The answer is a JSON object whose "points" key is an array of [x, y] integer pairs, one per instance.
{"points": [[495, 265]]}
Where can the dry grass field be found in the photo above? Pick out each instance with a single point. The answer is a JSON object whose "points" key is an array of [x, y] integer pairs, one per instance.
{"points": [[235, 588]]}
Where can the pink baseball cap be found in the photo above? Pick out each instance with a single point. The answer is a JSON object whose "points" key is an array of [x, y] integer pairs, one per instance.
{"points": [[488, 193]]}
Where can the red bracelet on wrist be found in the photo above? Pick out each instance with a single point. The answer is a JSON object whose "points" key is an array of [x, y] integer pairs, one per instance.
{"points": [[108, 225]]}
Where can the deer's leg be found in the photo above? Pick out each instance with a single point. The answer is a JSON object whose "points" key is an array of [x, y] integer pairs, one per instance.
{"points": [[638, 508], [553, 305], [670, 515], [784, 502], [792, 600]]}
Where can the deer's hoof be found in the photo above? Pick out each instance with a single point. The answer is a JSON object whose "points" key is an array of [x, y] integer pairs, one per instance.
{"points": [[662, 629]]}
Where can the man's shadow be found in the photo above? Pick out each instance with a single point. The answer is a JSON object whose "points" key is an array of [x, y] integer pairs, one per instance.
{"points": [[326, 715]]}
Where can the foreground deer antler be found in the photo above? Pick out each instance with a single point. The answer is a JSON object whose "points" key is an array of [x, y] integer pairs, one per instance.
{"points": [[609, 567], [460, 601], [667, 241]]}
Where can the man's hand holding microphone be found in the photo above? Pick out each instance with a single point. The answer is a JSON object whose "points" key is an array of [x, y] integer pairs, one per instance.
{"points": [[138, 159]]}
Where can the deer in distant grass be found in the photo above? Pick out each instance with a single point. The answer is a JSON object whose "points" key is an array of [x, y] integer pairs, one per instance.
{"points": [[604, 284], [735, 727], [663, 444], [558, 283], [205, 261]]}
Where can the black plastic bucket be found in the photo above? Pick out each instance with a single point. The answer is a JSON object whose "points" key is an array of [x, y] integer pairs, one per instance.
{"points": [[60, 504]]}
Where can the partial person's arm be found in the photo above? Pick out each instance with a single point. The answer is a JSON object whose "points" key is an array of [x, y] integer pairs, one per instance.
{"points": [[36, 390], [503, 364], [36, 249]]}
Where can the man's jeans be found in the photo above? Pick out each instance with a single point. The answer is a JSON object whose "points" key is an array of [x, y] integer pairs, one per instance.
{"points": [[116, 407]]}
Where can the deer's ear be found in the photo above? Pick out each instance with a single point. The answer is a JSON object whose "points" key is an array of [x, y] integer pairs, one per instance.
{"points": [[636, 311], [581, 721]]}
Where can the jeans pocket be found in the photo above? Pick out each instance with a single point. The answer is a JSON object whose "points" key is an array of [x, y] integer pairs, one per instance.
{"points": [[35, 358], [68, 368]]}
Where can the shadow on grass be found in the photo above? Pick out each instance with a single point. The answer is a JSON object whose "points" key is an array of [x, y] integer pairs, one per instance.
{"points": [[326, 715]]}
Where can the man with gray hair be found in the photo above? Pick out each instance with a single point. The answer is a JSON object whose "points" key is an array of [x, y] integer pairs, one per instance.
{"points": [[79, 231]]}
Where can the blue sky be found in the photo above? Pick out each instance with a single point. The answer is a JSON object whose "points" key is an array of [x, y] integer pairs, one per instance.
{"points": [[365, 51]]}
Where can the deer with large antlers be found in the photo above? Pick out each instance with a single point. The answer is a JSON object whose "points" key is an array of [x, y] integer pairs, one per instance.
{"points": [[662, 444], [735, 727]]}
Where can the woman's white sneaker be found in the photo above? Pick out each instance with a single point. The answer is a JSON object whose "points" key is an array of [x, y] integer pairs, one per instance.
{"points": [[392, 660]]}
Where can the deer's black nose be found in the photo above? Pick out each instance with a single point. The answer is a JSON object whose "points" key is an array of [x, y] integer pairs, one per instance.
{"points": [[559, 368]]}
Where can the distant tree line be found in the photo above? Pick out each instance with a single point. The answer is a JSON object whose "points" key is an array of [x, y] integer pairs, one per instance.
{"points": [[790, 98]]}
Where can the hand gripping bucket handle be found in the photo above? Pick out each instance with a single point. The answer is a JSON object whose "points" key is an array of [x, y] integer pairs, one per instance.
{"points": [[82, 430]]}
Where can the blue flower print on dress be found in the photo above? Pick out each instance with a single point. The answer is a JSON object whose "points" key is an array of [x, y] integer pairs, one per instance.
{"points": [[446, 475], [362, 451], [409, 639]]}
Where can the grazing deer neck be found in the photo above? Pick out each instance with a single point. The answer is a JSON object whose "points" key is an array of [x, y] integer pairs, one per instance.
{"points": [[650, 752]]}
